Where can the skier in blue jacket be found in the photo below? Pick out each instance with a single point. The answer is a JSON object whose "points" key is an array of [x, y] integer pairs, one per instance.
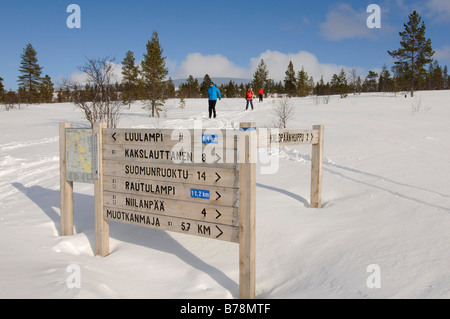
{"points": [[213, 93]]}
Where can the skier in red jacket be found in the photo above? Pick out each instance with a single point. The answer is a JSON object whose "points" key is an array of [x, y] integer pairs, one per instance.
{"points": [[261, 94], [249, 97]]}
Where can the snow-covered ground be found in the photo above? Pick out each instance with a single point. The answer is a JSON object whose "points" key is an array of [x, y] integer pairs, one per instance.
{"points": [[386, 202]]}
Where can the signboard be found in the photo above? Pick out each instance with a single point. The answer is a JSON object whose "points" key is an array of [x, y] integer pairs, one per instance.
{"points": [[295, 137], [79, 155], [175, 180], [283, 137]]}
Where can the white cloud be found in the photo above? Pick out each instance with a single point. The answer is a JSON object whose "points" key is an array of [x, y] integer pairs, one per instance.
{"points": [[343, 22], [277, 64], [170, 65], [436, 10], [439, 10], [217, 65], [443, 54], [78, 78]]}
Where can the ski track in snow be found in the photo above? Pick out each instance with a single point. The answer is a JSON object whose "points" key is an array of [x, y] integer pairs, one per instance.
{"points": [[27, 172], [17, 145], [392, 187]]}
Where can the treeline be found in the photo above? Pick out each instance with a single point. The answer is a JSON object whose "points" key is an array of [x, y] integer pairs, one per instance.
{"points": [[300, 84]]}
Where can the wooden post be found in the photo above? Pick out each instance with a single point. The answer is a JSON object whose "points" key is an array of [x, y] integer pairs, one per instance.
{"points": [[101, 224], [66, 187], [316, 169], [247, 210]]}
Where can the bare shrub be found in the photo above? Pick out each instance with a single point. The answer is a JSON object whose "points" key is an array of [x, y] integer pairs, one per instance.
{"points": [[417, 106], [283, 111], [99, 100]]}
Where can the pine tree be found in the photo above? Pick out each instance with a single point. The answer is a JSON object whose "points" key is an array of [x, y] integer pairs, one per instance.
{"points": [[204, 86], [319, 89], [193, 87], [339, 84], [303, 83], [415, 51], [130, 73], [182, 103], [46, 89], [260, 77], [170, 89], [30, 79], [446, 78], [190, 88], [290, 83], [385, 80], [270, 87], [370, 83], [231, 89], [435, 77], [154, 72], [2, 91], [2, 87]]}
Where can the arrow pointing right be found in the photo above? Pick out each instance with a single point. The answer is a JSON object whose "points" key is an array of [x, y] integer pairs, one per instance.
{"points": [[218, 195], [221, 232], [219, 214], [218, 177]]}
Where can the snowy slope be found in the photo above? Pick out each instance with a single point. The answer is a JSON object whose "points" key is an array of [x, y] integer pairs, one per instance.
{"points": [[386, 201]]}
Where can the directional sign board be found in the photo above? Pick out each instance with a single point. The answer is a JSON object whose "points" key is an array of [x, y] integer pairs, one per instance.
{"points": [[175, 180]]}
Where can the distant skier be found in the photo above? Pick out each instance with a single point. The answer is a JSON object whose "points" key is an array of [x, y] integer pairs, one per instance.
{"points": [[249, 97], [213, 93], [261, 94]]}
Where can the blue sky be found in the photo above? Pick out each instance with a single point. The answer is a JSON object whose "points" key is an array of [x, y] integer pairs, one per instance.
{"points": [[221, 38]]}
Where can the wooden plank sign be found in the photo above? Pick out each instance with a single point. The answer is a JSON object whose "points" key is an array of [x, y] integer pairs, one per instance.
{"points": [[283, 137], [295, 137], [217, 176], [175, 180], [175, 224], [172, 190], [171, 138]]}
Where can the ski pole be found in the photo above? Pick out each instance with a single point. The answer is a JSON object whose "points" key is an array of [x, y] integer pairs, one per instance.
{"points": [[224, 103]]}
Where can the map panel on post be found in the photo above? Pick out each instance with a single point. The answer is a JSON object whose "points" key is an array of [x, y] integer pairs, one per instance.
{"points": [[79, 155]]}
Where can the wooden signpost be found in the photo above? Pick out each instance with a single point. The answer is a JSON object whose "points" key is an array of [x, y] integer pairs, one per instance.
{"points": [[312, 137], [201, 183]]}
